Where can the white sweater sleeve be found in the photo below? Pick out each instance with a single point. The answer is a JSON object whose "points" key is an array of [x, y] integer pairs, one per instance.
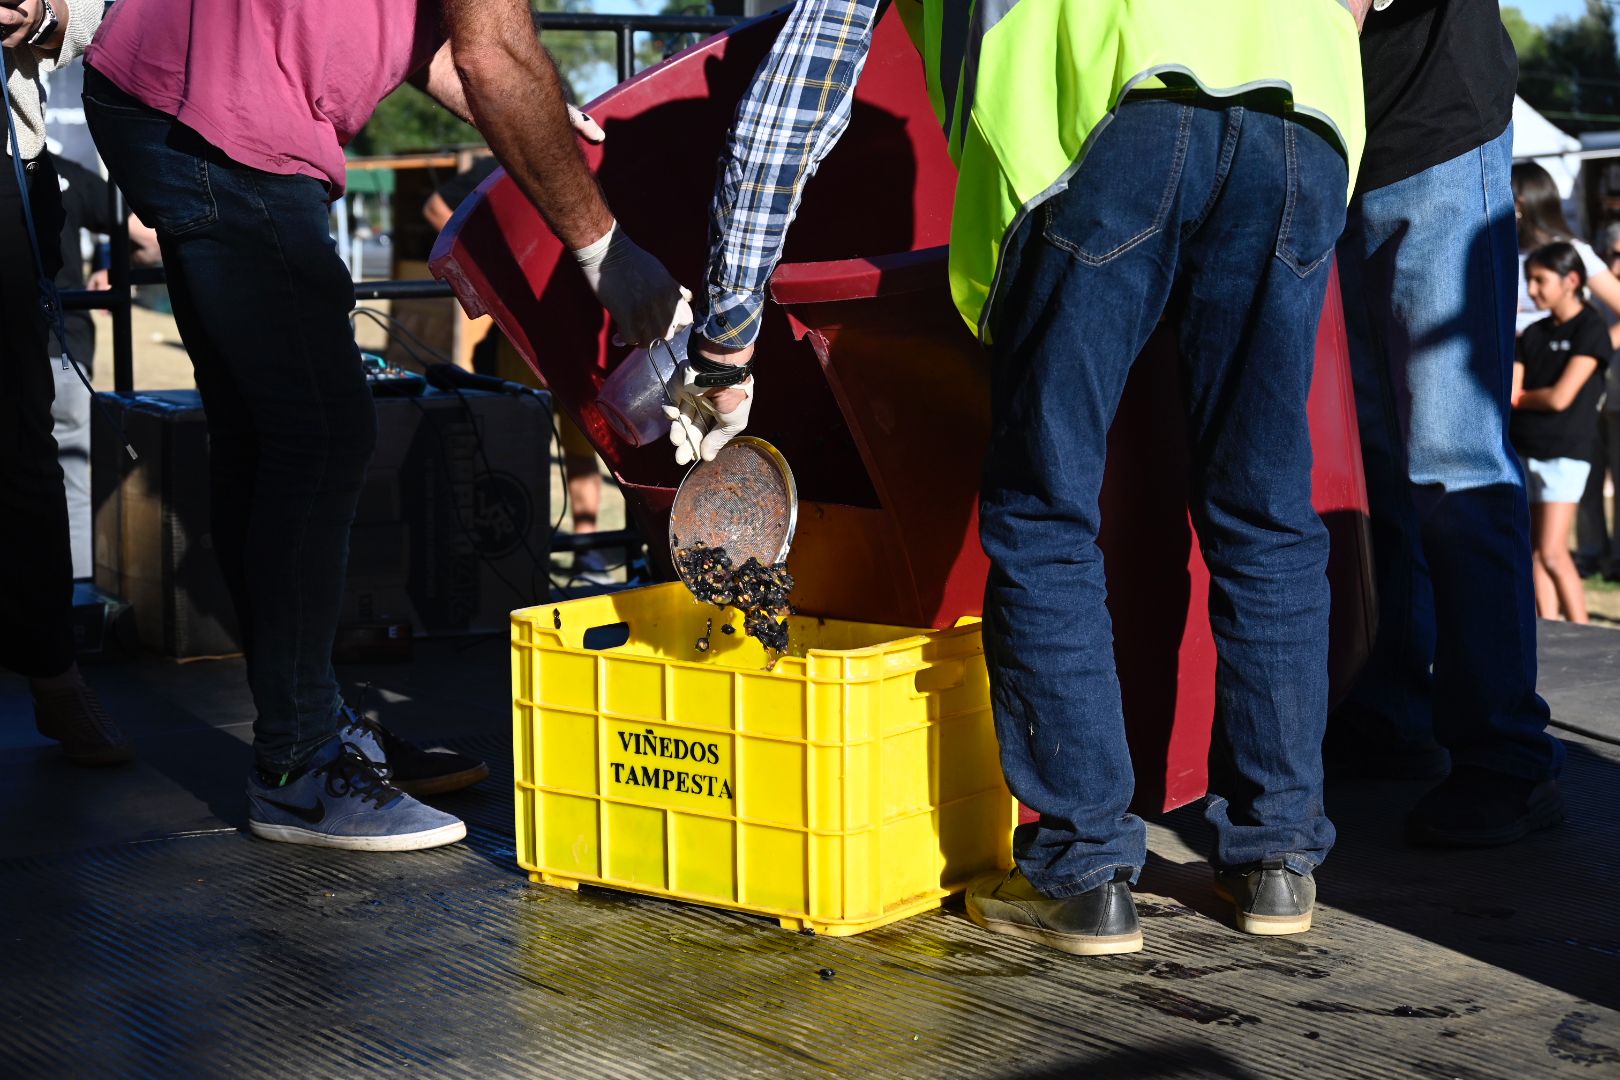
{"points": [[83, 18], [1590, 259]]}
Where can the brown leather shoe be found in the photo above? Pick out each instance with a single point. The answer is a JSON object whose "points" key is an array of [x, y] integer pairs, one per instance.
{"points": [[73, 716]]}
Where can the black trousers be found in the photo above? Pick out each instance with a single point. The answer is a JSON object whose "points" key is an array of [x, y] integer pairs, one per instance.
{"points": [[262, 301], [1593, 543], [36, 562]]}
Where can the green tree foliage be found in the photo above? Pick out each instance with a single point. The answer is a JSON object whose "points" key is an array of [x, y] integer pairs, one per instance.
{"points": [[1525, 34], [1571, 73], [408, 120], [652, 49]]}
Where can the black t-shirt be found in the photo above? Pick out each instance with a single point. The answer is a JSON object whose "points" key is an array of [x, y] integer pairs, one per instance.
{"points": [[461, 185], [1544, 349], [84, 206], [1440, 76]]}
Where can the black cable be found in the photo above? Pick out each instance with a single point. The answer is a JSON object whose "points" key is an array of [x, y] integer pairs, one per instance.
{"points": [[1586, 732], [444, 452], [389, 326], [466, 533], [398, 333], [378, 316], [489, 470]]}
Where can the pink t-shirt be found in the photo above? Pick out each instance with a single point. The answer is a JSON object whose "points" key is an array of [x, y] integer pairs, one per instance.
{"points": [[280, 85]]}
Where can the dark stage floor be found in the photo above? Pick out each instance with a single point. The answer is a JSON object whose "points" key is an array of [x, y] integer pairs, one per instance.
{"points": [[143, 934]]}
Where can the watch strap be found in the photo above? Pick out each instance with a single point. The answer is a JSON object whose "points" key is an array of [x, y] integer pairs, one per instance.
{"points": [[712, 373], [47, 24]]}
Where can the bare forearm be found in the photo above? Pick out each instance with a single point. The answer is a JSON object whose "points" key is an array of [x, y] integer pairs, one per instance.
{"points": [[1555, 398], [440, 81], [437, 212], [514, 97], [1543, 400], [143, 243], [531, 135]]}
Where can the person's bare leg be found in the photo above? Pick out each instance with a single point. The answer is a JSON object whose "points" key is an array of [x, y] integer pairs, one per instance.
{"points": [[1552, 545], [1546, 591], [584, 492]]}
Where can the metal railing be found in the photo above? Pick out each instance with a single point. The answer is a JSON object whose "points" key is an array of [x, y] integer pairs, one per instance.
{"points": [[122, 277], [625, 27]]}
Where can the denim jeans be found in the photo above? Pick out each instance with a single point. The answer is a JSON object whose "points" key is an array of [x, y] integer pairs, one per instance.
{"points": [[1428, 266], [1222, 218], [262, 302]]}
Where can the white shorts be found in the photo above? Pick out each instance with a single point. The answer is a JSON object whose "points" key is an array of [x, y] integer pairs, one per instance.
{"points": [[1555, 480]]}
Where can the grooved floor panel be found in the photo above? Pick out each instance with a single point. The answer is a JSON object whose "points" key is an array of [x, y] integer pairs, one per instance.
{"points": [[204, 952]]}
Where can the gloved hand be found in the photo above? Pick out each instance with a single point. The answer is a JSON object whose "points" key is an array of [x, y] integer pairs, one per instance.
{"points": [[704, 419], [645, 302]]}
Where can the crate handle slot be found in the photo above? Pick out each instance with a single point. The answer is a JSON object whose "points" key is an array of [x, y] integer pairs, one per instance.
{"points": [[608, 636], [942, 675]]}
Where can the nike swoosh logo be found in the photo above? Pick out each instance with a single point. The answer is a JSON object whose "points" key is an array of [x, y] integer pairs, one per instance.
{"points": [[312, 814]]}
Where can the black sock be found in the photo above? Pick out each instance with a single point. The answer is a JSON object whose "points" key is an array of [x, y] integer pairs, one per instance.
{"points": [[272, 777]]}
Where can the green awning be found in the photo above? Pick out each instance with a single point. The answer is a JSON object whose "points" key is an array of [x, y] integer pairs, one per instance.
{"points": [[371, 182]]}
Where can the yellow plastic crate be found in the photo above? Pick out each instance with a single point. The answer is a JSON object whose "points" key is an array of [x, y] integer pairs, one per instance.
{"points": [[856, 783]]}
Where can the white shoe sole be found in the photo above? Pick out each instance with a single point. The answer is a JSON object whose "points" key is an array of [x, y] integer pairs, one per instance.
{"points": [[1273, 925], [1264, 925], [428, 838], [1073, 944]]}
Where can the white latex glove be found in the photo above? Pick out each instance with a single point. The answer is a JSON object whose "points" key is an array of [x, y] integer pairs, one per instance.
{"points": [[645, 301], [697, 426], [585, 127]]}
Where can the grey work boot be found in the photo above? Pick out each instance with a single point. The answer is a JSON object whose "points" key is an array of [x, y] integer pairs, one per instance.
{"points": [[1097, 922], [1269, 899]]}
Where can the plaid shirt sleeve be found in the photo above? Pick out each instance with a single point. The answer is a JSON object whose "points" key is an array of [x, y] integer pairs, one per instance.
{"points": [[795, 111]]}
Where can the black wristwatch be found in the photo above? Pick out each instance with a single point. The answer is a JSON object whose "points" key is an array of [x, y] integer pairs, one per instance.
{"points": [[47, 24], [712, 373]]}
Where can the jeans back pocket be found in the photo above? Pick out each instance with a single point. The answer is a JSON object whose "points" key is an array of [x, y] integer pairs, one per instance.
{"points": [[157, 161], [1125, 188], [1313, 212]]}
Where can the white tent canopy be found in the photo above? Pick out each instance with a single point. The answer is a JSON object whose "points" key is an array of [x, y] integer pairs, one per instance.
{"points": [[1538, 139]]}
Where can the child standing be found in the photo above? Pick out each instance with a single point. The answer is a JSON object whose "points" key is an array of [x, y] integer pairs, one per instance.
{"points": [[1556, 386]]}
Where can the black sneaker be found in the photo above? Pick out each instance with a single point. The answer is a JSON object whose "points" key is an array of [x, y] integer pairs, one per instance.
{"points": [[408, 767], [1475, 807], [593, 566], [1098, 922], [1269, 899], [74, 716]]}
